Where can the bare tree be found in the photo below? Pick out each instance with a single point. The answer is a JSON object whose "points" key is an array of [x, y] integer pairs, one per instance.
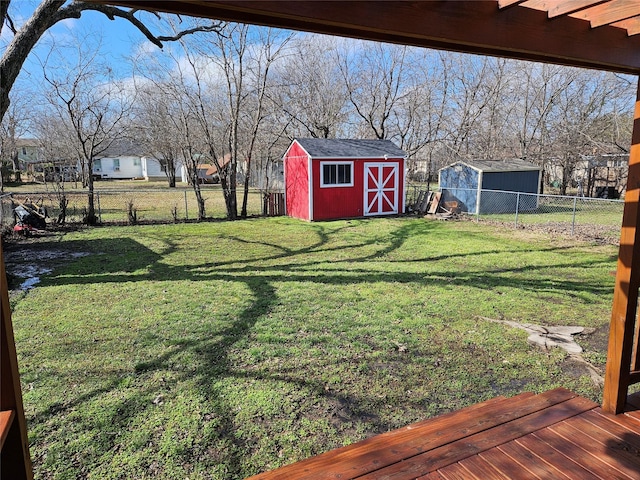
{"points": [[12, 127], [230, 83], [374, 79], [61, 158], [259, 68], [50, 12], [467, 103], [157, 129], [416, 123], [311, 95], [95, 109], [496, 96], [173, 100], [540, 87], [578, 129], [229, 54]]}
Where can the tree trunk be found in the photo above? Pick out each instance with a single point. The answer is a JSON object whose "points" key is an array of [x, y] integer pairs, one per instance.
{"points": [[192, 172], [171, 175], [229, 193], [63, 203], [567, 172], [170, 172], [200, 201], [91, 218], [245, 194]]}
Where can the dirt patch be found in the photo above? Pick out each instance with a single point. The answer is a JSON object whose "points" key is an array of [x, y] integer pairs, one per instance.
{"points": [[26, 262], [595, 346], [574, 368], [599, 234]]}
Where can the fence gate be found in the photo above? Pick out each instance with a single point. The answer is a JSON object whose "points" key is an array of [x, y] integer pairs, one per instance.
{"points": [[273, 204]]}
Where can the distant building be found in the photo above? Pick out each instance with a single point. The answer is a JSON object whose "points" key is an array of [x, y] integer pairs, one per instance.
{"points": [[130, 167], [29, 151], [207, 172]]}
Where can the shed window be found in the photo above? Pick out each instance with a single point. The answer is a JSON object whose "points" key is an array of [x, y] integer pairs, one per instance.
{"points": [[333, 174]]}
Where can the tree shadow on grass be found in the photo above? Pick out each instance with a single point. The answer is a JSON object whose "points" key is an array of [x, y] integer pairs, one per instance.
{"points": [[128, 260]]}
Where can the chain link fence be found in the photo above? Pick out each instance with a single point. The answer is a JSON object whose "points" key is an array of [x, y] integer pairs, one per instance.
{"points": [[585, 216], [127, 206], [596, 217]]}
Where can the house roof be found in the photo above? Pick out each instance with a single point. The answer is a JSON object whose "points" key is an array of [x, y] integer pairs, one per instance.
{"points": [[122, 147], [508, 165], [27, 142], [212, 169], [350, 148]]}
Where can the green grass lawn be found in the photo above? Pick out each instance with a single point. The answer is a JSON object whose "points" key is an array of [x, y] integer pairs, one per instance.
{"points": [[219, 350]]}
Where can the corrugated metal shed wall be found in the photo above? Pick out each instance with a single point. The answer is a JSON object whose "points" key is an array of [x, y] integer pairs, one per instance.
{"points": [[459, 182], [523, 181]]}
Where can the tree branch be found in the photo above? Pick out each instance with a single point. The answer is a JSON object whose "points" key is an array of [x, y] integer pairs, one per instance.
{"points": [[4, 16], [76, 8], [50, 12]]}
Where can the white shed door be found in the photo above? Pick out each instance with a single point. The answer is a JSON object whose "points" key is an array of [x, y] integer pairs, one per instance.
{"points": [[380, 188]]}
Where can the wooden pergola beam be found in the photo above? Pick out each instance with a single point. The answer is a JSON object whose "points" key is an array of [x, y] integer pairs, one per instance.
{"points": [[471, 26], [610, 12], [623, 355], [568, 6]]}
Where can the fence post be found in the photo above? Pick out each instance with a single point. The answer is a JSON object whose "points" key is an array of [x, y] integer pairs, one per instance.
{"points": [[517, 207], [573, 220], [186, 206]]}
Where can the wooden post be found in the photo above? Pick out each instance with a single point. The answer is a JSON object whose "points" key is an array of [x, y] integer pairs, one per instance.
{"points": [[15, 462], [621, 364]]}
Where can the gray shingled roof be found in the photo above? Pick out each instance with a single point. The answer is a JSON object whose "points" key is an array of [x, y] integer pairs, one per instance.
{"points": [[349, 148], [509, 165]]}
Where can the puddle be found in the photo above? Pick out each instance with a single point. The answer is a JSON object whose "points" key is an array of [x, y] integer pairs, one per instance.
{"points": [[29, 283], [30, 264]]}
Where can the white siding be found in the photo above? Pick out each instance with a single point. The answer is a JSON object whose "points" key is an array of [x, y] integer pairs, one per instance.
{"points": [[119, 167], [151, 169]]}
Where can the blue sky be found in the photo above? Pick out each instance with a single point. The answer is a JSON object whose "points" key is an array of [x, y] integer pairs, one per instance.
{"points": [[117, 39]]}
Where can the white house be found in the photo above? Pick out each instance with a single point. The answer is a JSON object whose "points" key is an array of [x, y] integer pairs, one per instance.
{"points": [[129, 167], [120, 167], [153, 170]]}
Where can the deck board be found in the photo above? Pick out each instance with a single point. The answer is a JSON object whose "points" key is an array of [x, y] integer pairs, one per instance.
{"points": [[530, 462], [481, 468], [556, 459], [473, 444], [555, 434], [579, 455], [456, 472], [594, 451], [506, 465]]}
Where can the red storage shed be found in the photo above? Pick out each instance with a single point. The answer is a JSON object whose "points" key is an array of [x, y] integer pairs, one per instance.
{"points": [[330, 178]]}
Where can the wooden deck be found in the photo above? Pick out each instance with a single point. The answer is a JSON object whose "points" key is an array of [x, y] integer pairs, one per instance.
{"points": [[556, 434]]}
